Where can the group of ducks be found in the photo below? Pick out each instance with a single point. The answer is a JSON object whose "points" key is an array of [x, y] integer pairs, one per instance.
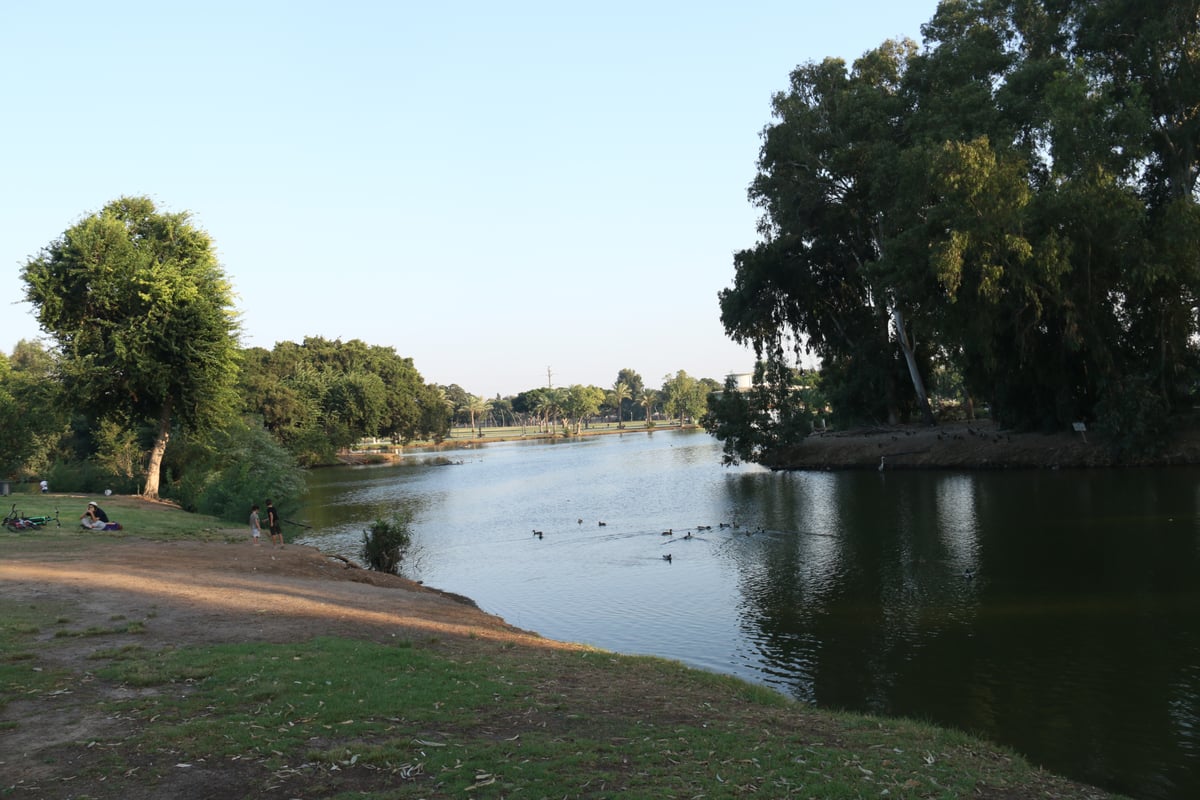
{"points": [[668, 532], [968, 574]]}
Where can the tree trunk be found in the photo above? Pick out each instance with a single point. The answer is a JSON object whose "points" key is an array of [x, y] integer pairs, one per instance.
{"points": [[154, 468], [911, 359]]}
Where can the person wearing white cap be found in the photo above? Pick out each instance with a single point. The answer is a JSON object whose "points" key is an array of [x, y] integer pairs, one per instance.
{"points": [[94, 518]]}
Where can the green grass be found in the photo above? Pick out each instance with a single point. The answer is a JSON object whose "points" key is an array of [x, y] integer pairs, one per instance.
{"points": [[442, 725], [414, 719], [21, 673], [136, 517]]}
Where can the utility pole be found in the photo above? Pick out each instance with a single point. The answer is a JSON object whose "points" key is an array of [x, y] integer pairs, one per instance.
{"points": [[549, 382]]}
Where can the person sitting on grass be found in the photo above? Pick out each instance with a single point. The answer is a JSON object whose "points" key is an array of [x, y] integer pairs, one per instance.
{"points": [[94, 518]]}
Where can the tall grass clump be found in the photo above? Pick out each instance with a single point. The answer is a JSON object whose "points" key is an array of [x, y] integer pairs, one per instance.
{"points": [[385, 542]]}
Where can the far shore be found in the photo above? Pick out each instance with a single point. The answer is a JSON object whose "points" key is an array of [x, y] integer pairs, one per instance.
{"points": [[463, 439], [957, 445]]}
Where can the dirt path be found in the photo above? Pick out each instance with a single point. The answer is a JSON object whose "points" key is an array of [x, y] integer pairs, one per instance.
{"points": [[191, 593]]}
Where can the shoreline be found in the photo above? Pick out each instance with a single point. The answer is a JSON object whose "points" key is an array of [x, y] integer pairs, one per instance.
{"points": [[974, 446], [958, 445], [394, 453], [121, 598]]}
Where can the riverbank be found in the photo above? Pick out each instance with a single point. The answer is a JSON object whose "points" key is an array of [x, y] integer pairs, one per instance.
{"points": [[977, 445], [202, 667]]}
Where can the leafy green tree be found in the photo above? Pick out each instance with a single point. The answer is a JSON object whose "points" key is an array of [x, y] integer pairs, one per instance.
{"points": [[32, 416], [321, 395], [1015, 201], [436, 412], [16, 430], [578, 403], [632, 379], [827, 183], [354, 407], [685, 396], [144, 321], [271, 388], [403, 417], [740, 427], [459, 400], [776, 413], [31, 359], [234, 467]]}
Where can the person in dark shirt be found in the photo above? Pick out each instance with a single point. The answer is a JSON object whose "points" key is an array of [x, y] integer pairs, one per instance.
{"points": [[274, 525], [94, 518]]}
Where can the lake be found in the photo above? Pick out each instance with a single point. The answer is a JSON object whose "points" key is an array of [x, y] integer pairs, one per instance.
{"points": [[1056, 612]]}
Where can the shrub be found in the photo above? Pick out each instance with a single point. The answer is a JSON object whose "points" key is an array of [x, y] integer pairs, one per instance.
{"points": [[385, 542], [1134, 418], [240, 466]]}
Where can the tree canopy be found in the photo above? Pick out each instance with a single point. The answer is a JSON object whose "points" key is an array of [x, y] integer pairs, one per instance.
{"points": [[1014, 200], [320, 395], [143, 318]]}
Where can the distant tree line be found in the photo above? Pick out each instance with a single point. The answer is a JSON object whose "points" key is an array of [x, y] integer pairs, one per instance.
{"points": [[1007, 213], [145, 389], [320, 396], [571, 408]]}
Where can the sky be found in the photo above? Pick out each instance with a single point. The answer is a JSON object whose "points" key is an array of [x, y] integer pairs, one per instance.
{"points": [[508, 193]]}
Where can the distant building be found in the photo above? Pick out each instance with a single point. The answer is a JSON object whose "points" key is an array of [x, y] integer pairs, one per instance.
{"points": [[744, 380]]}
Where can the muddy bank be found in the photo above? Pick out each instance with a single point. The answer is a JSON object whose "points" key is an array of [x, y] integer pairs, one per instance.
{"points": [[967, 445]]}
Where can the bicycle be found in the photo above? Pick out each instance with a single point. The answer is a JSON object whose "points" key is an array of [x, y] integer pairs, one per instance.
{"points": [[17, 522], [46, 519]]}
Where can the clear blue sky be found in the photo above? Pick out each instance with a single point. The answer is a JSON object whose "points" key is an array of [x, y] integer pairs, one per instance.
{"points": [[489, 188]]}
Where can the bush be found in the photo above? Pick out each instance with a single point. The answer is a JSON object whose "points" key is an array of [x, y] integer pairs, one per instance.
{"points": [[1134, 418], [385, 542], [89, 477], [241, 466]]}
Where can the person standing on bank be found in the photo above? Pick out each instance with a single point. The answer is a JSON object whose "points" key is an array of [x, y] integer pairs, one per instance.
{"points": [[255, 525], [273, 525]]}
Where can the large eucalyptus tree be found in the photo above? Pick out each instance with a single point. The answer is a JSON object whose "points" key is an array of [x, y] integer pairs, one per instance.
{"points": [[829, 186], [1015, 199]]}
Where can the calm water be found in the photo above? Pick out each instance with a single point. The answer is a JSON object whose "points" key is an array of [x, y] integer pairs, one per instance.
{"points": [[1055, 612]]}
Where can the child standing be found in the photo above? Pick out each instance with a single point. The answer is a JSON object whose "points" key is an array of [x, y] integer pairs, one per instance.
{"points": [[255, 525], [273, 525]]}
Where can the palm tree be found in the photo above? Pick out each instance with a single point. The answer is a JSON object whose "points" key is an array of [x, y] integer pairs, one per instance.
{"points": [[647, 400], [477, 407], [546, 406], [620, 392]]}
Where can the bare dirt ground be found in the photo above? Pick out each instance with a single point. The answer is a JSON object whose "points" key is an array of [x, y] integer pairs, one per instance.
{"points": [[190, 593]]}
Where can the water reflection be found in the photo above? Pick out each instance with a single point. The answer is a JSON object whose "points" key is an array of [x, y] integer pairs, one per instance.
{"points": [[1055, 612]]}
